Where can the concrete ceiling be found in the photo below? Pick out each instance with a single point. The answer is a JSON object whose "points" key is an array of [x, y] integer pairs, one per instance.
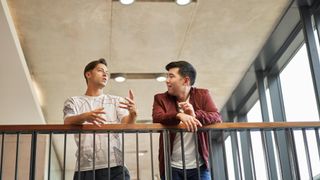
{"points": [[58, 38]]}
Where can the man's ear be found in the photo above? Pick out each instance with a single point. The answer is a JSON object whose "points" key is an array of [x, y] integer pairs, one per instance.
{"points": [[186, 80], [88, 74]]}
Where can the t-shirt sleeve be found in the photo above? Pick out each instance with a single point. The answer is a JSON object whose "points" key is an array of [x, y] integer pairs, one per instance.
{"points": [[121, 112], [69, 108]]}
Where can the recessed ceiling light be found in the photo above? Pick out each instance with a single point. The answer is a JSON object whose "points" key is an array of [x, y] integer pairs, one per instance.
{"points": [[126, 2], [120, 78], [183, 2], [161, 78]]}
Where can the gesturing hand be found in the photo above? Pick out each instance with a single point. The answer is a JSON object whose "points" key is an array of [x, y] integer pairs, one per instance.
{"points": [[95, 117], [191, 122], [130, 104], [187, 108]]}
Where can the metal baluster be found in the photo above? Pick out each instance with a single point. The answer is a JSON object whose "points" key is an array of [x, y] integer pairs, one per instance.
{"points": [[183, 156], [151, 150], [123, 175], [49, 154], [33, 156], [64, 155], [210, 153], [292, 153], [224, 154], [318, 139], [265, 152], [197, 153], [17, 157], [306, 148], [278, 150], [109, 156], [79, 152], [137, 153], [238, 153], [166, 152], [94, 156], [251, 154], [2, 148]]}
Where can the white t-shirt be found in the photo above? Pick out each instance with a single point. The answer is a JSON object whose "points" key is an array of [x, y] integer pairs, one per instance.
{"points": [[189, 150], [81, 104]]}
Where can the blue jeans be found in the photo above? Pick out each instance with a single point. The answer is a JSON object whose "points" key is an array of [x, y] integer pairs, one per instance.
{"points": [[192, 174], [116, 173]]}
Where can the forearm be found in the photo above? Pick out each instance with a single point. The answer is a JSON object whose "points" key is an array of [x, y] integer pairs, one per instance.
{"points": [[165, 118], [76, 120], [208, 117], [130, 119]]}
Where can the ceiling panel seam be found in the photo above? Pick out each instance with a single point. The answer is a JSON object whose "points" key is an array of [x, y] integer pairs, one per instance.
{"points": [[187, 32]]}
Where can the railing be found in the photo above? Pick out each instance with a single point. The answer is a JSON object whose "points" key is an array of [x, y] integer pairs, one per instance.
{"points": [[45, 151]]}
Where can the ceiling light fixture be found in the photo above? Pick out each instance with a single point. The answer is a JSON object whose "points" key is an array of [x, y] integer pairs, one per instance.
{"points": [[119, 77], [183, 2], [161, 78], [126, 2]]}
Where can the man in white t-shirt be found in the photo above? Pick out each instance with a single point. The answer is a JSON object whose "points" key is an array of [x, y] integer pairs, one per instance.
{"points": [[95, 107]]}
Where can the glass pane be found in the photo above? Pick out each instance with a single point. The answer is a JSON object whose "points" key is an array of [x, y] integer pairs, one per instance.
{"points": [[229, 156], [297, 89], [269, 106], [240, 154], [300, 105], [254, 115], [317, 42]]}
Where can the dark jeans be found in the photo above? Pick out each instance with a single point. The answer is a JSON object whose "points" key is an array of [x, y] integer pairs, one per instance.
{"points": [[102, 174], [192, 174]]}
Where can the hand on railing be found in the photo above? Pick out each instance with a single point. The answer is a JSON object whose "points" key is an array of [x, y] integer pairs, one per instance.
{"points": [[95, 117], [191, 122]]}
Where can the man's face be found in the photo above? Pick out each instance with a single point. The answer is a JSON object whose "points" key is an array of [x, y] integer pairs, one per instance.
{"points": [[98, 76], [176, 84]]}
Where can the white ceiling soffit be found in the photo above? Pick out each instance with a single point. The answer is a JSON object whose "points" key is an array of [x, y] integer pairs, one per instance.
{"points": [[18, 104]]}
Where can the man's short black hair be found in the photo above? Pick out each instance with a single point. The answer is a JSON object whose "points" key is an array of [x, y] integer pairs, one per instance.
{"points": [[92, 65], [185, 69]]}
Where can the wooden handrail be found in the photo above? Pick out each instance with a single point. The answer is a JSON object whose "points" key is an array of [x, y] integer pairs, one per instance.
{"points": [[152, 127]]}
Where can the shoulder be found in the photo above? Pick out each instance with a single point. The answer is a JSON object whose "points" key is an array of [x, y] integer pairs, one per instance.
{"points": [[75, 99], [162, 96], [71, 99], [200, 91]]}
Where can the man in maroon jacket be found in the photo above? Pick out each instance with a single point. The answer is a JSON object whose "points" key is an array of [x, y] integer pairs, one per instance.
{"points": [[192, 107]]}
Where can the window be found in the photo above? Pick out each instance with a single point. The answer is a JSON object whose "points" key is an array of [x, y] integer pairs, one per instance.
{"points": [[300, 105], [229, 156], [254, 115]]}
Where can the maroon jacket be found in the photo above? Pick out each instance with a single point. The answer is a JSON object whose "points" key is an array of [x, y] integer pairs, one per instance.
{"points": [[165, 112]]}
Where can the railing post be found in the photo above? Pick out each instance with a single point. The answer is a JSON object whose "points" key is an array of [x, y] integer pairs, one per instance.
{"points": [[33, 156], [268, 145]]}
